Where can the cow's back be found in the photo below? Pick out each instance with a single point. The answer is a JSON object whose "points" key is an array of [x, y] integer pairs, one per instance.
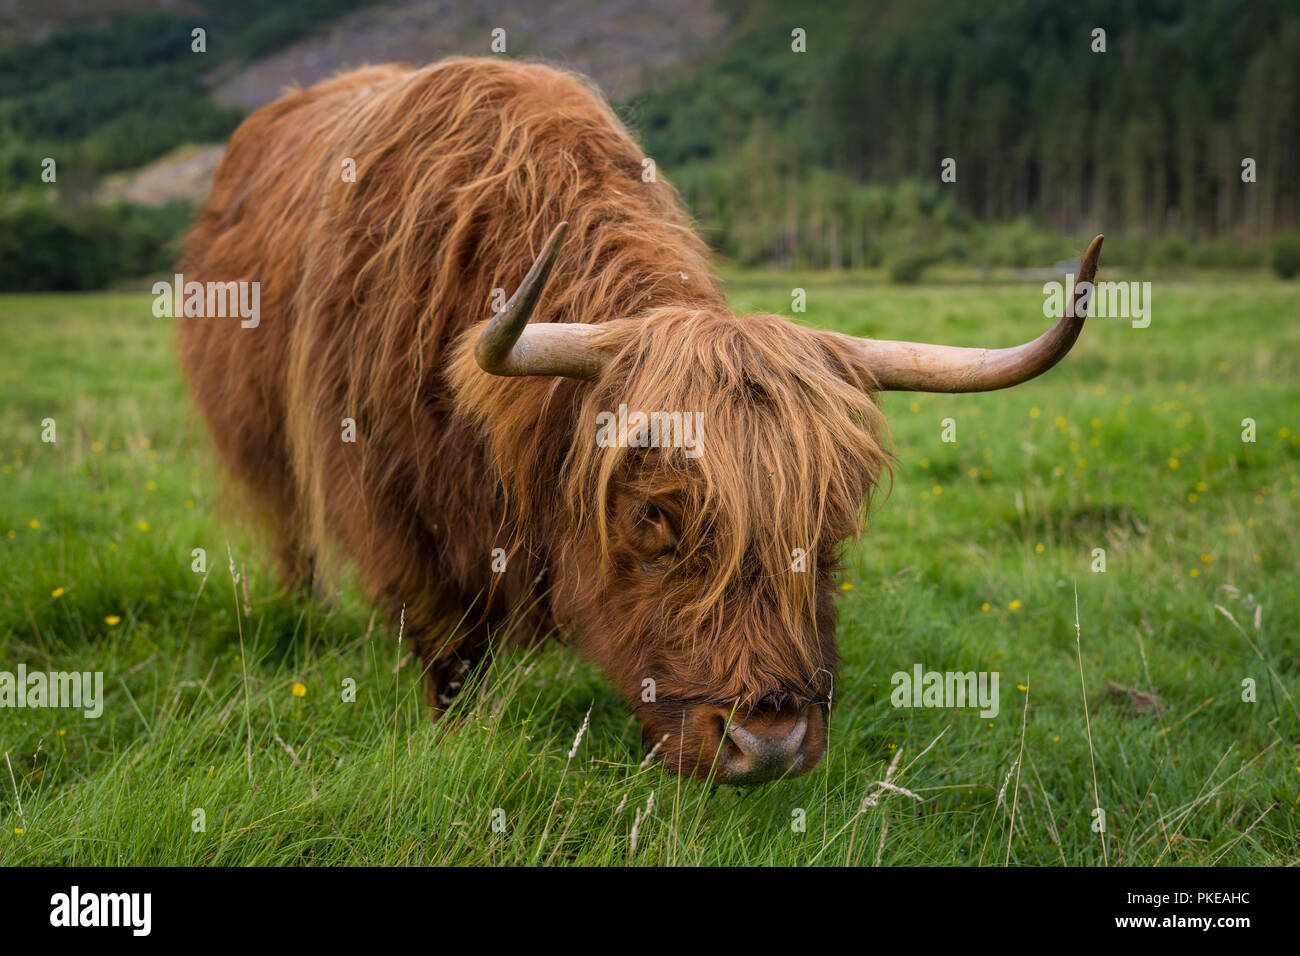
{"points": [[381, 212]]}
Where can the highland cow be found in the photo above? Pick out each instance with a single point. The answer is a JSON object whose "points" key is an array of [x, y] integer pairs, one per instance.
{"points": [[383, 212]]}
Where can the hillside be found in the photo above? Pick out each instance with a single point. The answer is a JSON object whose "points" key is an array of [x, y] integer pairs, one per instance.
{"points": [[799, 137], [625, 45]]}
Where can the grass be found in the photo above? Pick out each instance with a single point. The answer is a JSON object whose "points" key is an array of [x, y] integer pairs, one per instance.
{"points": [[228, 697]]}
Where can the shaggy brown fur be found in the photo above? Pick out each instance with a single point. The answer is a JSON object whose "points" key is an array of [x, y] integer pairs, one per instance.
{"points": [[655, 564]]}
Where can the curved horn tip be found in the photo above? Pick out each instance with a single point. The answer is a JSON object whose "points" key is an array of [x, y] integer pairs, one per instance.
{"points": [[541, 267], [502, 331], [1094, 250], [915, 367], [506, 345]]}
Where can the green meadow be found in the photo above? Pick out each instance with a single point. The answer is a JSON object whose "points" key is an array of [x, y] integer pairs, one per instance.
{"points": [[1163, 689]]}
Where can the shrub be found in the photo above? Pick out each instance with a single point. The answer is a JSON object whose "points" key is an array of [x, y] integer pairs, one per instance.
{"points": [[1286, 256], [46, 248], [907, 268]]}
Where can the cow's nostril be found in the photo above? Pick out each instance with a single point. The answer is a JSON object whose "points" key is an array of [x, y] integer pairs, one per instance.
{"points": [[763, 752]]}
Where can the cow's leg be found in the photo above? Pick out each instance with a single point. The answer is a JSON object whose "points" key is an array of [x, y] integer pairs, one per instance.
{"points": [[444, 592], [447, 644], [448, 656], [295, 563]]}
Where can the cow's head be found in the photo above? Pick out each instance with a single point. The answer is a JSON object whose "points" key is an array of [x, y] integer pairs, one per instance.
{"points": [[697, 565]]}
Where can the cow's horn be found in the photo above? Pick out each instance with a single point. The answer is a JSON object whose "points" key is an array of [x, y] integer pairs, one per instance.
{"points": [[508, 345], [913, 367]]}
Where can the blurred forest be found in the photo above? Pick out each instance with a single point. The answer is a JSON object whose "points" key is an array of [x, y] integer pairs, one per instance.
{"points": [[824, 159]]}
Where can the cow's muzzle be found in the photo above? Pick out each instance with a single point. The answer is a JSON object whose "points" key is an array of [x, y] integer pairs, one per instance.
{"points": [[754, 748]]}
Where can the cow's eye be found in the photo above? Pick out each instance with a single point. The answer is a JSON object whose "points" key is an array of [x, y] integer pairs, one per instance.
{"points": [[654, 538]]}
